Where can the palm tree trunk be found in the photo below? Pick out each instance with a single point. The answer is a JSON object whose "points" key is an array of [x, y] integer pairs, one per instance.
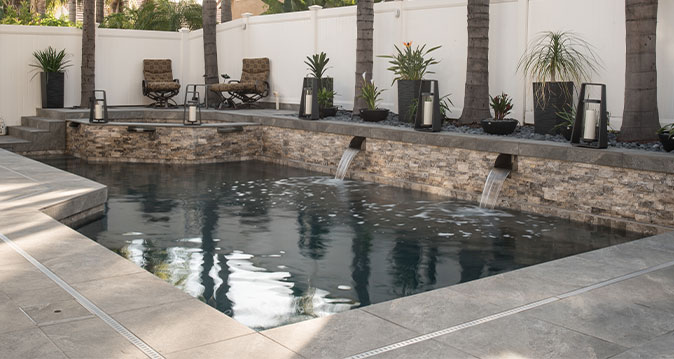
{"points": [[226, 11], [88, 53], [640, 112], [364, 32], [476, 98], [100, 6], [72, 11], [208, 13], [41, 6]]}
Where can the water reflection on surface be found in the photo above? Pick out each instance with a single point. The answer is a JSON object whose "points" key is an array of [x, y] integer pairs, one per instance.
{"points": [[271, 245]]}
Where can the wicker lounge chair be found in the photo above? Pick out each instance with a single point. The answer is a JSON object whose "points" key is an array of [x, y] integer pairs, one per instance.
{"points": [[158, 83], [252, 86]]}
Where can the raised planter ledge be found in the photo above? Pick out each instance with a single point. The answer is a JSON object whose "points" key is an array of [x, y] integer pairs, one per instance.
{"points": [[612, 157]]}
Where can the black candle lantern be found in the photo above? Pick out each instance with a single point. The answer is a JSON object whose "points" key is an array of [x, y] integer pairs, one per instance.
{"points": [[192, 108], [309, 99], [98, 107], [428, 117], [590, 129]]}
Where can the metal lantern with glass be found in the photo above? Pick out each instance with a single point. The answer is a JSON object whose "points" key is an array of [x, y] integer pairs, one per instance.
{"points": [[192, 110], [309, 99], [590, 128], [428, 116], [98, 107]]}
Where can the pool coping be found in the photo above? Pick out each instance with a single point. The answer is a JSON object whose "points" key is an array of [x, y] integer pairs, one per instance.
{"points": [[30, 219], [612, 157]]}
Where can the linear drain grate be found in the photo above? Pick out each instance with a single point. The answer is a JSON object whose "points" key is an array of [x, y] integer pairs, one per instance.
{"points": [[91, 307], [421, 338]]}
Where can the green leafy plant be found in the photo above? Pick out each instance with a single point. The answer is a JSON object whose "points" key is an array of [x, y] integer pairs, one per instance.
{"points": [[445, 103], [410, 64], [667, 129], [568, 118], [370, 93], [502, 105], [558, 56], [21, 15], [325, 97], [159, 15], [318, 64], [50, 60]]}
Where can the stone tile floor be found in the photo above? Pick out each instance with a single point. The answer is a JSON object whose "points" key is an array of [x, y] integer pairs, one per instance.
{"points": [[615, 302]]}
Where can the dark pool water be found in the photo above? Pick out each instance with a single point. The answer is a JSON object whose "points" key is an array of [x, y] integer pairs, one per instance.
{"points": [[271, 245]]}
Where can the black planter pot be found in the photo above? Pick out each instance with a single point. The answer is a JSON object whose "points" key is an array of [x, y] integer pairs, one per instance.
{"points": [[499, 127], [566, 132], [408, 93], [327, 112], [667, 142], [373, 115], [558, 97], [52, 84]]}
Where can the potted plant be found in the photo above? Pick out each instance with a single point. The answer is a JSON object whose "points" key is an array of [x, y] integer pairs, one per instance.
{"points": [[409, 66], [325, 106], [666, 136], [565, 127], [500, 125], [317, 66], [370, 93], [53, 64], [555, 61]]}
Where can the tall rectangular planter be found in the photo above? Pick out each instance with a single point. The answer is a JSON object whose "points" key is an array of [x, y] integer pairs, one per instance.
{"points": [[52, 84], [559, 98], [408, 92]]}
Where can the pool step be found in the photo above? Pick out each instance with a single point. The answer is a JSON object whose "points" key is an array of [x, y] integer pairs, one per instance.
{"points": [[37, 134], [9, 143]]}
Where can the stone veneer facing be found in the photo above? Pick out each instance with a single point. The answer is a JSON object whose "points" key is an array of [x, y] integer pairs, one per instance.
{"points": [[624, 199]]}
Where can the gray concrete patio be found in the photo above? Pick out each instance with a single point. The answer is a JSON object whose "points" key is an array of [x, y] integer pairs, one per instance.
{"points": [[77, 299]]}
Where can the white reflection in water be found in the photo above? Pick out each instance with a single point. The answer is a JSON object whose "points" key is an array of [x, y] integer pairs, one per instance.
{"points": [[264, 299]]}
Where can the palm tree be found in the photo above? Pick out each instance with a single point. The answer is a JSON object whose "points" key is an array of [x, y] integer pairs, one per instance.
{"points": [[88, 53], [364, 31], [225, 11], [100, 6], [640, 112], [208, 12], [476, 98], [72, 11]]}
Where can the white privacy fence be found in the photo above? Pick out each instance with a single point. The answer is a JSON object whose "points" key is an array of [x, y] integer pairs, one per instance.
{"points": [[288, 38]]}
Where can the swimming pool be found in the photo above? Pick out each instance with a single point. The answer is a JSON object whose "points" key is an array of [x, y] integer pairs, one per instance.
{"points": [[271, 245]]}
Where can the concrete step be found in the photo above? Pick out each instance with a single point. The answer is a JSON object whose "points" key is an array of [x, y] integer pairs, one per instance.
{"points": [[39, 139], [48, 124], [11, 143]]}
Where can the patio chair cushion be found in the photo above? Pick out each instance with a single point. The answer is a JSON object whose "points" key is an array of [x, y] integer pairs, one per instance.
{"points": [[162, 86], [235, 87], [157, 70]]}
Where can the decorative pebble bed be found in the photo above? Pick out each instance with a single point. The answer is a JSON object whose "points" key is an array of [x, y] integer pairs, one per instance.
{"points": [[524, 132]]}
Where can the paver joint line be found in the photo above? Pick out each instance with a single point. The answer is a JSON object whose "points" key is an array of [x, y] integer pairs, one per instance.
{"points": [[86, 303], [489, 318]]}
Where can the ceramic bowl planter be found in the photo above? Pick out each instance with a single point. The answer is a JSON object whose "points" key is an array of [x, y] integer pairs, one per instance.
{"points": [[667, 141], [373, 115], [328, 111], [499, 127]]}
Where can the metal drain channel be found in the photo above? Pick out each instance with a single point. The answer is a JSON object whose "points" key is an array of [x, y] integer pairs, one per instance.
{"points": [[421, 338], [91, 307]]}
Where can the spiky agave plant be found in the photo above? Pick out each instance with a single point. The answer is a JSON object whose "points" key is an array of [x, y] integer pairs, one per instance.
{"points": [[558, 56], [317, 64], [50, 60]]}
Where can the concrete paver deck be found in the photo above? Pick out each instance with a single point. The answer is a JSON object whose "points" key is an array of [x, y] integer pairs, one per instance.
{"points": [[613, 302]]}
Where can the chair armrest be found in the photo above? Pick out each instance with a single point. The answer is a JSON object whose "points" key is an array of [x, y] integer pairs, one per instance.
{"points": [[230, 81], [176, 81]]}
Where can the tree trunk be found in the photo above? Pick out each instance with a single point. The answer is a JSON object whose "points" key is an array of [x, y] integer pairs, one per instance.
{"points": [[100, 7], [72, 11], [476, 98], [41, 6], [88, 53], [208, 13], [640, 112], [364, 30], [225, 11]]}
